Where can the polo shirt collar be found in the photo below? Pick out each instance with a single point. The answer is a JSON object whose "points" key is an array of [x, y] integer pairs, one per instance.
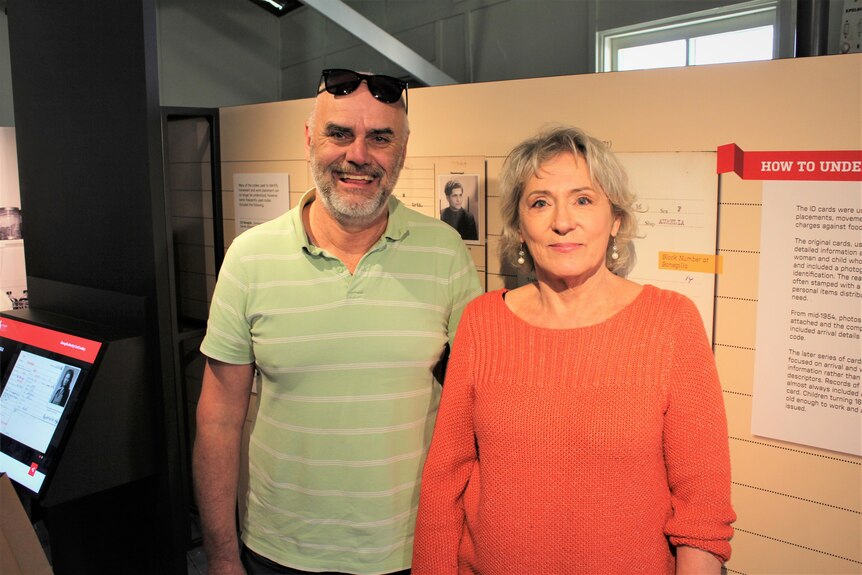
{"points": [[396, 226]]}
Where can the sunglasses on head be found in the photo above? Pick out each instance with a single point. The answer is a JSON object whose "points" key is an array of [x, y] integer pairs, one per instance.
{"points": [[340, 82]]}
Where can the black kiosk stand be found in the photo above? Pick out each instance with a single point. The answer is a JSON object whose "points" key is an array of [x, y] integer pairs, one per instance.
{"points": [[76, 438]]}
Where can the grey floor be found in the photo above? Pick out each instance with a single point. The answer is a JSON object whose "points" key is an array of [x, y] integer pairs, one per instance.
{"points": [[196, 561], [195, 558]]}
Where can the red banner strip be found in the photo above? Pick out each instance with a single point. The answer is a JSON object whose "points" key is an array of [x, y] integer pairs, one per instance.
{"points": [[62, 343], [838, 165]]}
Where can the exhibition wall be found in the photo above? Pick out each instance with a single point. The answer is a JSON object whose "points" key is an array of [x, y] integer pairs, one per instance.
{"points": [[188, 187], [799, 507], [6, 118]]}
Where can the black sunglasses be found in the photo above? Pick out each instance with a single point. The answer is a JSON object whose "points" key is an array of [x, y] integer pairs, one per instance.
{"points": [[340, 82]]}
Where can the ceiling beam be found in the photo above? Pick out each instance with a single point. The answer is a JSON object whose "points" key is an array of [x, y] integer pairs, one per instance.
{"points": [[377, 38]]}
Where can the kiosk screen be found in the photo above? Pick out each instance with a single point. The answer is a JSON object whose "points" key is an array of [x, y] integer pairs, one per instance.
{"points": [[45, 374]]}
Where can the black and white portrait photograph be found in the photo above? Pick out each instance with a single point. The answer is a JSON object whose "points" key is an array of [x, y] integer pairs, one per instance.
{"points": [[63, 389], [458, 204]]}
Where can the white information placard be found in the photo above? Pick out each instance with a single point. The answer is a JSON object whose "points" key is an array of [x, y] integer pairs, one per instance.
{"points": [[677, 213], [808, 365], [259, 198]]}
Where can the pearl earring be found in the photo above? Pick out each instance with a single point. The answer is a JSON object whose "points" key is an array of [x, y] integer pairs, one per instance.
{"points": [[521, 255], [615, 255]]}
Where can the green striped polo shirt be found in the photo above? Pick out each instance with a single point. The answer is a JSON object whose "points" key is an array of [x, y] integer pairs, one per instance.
{"points": [[347, 396]]}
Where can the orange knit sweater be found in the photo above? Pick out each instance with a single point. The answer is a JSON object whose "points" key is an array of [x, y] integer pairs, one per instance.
{"points": [[588, 450]]}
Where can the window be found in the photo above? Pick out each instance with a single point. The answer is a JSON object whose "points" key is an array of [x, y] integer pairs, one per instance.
{"points": [[738, 33]]}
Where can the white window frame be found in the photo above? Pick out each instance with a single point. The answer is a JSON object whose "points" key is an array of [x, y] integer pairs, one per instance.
{"points": [[725, 19]]}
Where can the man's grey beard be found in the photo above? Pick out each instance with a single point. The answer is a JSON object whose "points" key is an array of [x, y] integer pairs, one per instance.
{"points": [[344, 211]]}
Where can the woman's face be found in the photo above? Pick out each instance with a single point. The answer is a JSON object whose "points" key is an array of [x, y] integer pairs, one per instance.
{"points": [[67, 378], [566, 220]]}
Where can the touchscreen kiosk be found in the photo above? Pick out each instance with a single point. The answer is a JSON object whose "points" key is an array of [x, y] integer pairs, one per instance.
{"points": [[45, 378]]}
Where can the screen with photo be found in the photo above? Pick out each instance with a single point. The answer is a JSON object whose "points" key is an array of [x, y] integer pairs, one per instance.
{"points": [[45, 374]]}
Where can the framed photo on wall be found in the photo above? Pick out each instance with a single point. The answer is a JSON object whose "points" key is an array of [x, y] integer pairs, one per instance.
{"points": [[459, 204]]}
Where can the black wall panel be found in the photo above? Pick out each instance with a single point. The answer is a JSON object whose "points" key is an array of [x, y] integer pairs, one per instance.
{"points": [[88, 129]]}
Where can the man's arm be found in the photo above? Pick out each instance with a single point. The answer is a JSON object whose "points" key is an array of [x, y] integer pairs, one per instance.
{"points": [[220, 417]]}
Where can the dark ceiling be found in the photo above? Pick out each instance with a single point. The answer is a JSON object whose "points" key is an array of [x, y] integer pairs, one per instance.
{"points": [[277, 7]]}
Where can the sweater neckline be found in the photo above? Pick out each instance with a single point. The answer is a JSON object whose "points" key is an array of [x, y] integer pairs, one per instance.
{"points": [[647, 291]]}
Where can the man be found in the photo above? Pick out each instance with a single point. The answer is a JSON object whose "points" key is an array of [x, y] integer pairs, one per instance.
{"points": [[455, 215], [344, 306]]}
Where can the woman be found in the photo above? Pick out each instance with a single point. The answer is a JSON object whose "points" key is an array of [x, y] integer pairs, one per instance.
{"points": [[582, 428], [61, 394]]}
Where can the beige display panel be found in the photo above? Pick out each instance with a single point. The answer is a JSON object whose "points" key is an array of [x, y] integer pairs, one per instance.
{"points": [[799, 508]]}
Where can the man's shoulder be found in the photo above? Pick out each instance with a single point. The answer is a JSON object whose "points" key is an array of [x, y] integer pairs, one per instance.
{"points": [[276, 236], [283, 226]]}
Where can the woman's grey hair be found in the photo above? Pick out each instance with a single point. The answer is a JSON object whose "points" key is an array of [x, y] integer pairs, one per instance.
{"points": [[606, 171]]}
